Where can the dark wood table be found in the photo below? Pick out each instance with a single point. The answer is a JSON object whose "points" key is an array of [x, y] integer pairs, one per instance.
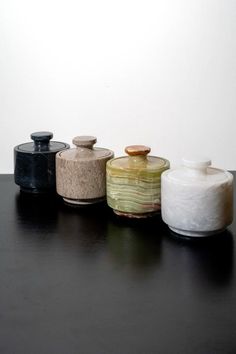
{"points": [[83, 281]]}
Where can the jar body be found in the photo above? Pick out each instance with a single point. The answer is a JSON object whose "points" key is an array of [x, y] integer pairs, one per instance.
{"points": [[81, 181], [134, 192], [34, 163], [198, 207], [35, 173]]}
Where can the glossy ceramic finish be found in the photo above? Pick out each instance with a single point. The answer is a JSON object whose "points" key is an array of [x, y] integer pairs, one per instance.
{"points": [[197, 200], [81, 172], [134, 182], [34, 168]]}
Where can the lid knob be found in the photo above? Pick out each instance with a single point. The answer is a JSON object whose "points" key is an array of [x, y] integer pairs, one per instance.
{"points": [[197, 163], [84, 141], [135, 150], [41, 139], [196, 166]]}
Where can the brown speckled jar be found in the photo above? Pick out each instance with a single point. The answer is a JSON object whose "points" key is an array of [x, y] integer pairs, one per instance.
{"points": [[81, 172]]}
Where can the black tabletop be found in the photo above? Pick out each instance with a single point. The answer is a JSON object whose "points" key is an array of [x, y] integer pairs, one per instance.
{"points": [[84, 281]]}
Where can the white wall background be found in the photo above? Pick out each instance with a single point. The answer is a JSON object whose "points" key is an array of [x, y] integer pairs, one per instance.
{"points": [[155, 72]]}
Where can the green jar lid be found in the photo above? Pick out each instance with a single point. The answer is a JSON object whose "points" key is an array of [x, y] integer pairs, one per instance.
{"points": [[138, 160]]}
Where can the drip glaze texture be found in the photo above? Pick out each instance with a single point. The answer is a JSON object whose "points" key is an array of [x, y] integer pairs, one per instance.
{"points": [[197, 200], [34, 163], [81, 172], [134, 182]]}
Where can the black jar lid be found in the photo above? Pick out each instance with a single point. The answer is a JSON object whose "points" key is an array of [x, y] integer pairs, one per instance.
{"points": [[41, 143]]}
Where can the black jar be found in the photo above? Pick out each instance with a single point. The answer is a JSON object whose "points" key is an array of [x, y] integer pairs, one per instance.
{"points": [[35, 163]]}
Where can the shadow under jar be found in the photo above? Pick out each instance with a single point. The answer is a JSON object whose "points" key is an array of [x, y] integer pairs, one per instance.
{"points": [[34, 163], [134, 182], [81, 172]]}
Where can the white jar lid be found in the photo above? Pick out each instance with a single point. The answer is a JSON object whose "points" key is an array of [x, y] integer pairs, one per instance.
{"points": [[196, 169], [196, 162]]}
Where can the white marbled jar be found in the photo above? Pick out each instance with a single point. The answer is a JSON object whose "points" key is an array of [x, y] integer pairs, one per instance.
{"points": [[197, 200]]}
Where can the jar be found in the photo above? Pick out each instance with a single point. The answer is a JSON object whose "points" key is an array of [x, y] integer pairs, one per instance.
{"points": [[81, 172], [134, 182], [34, 162], [197, 200]]}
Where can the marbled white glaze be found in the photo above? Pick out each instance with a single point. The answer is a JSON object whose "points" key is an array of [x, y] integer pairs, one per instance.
{"points": [[197, 201]]}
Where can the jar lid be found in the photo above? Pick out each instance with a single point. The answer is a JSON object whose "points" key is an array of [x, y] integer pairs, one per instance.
{"points": [[85, 150], [197, 168], [196, 162], [41, 143], [138, 158]]}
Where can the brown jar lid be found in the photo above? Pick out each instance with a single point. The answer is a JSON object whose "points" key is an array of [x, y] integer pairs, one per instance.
{"points": [[85, 149]]}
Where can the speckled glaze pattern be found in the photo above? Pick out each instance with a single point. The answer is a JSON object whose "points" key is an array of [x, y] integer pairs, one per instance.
{"points": [[82, 180], [135, 191]]}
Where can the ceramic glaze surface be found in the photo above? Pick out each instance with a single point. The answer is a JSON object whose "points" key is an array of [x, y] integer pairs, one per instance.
{"points": [[197, 200], [133, 182], [34, 161], [81, 172]]}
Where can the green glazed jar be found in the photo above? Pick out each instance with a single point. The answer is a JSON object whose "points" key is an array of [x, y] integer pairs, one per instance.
{"points": [[134, 182]]}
